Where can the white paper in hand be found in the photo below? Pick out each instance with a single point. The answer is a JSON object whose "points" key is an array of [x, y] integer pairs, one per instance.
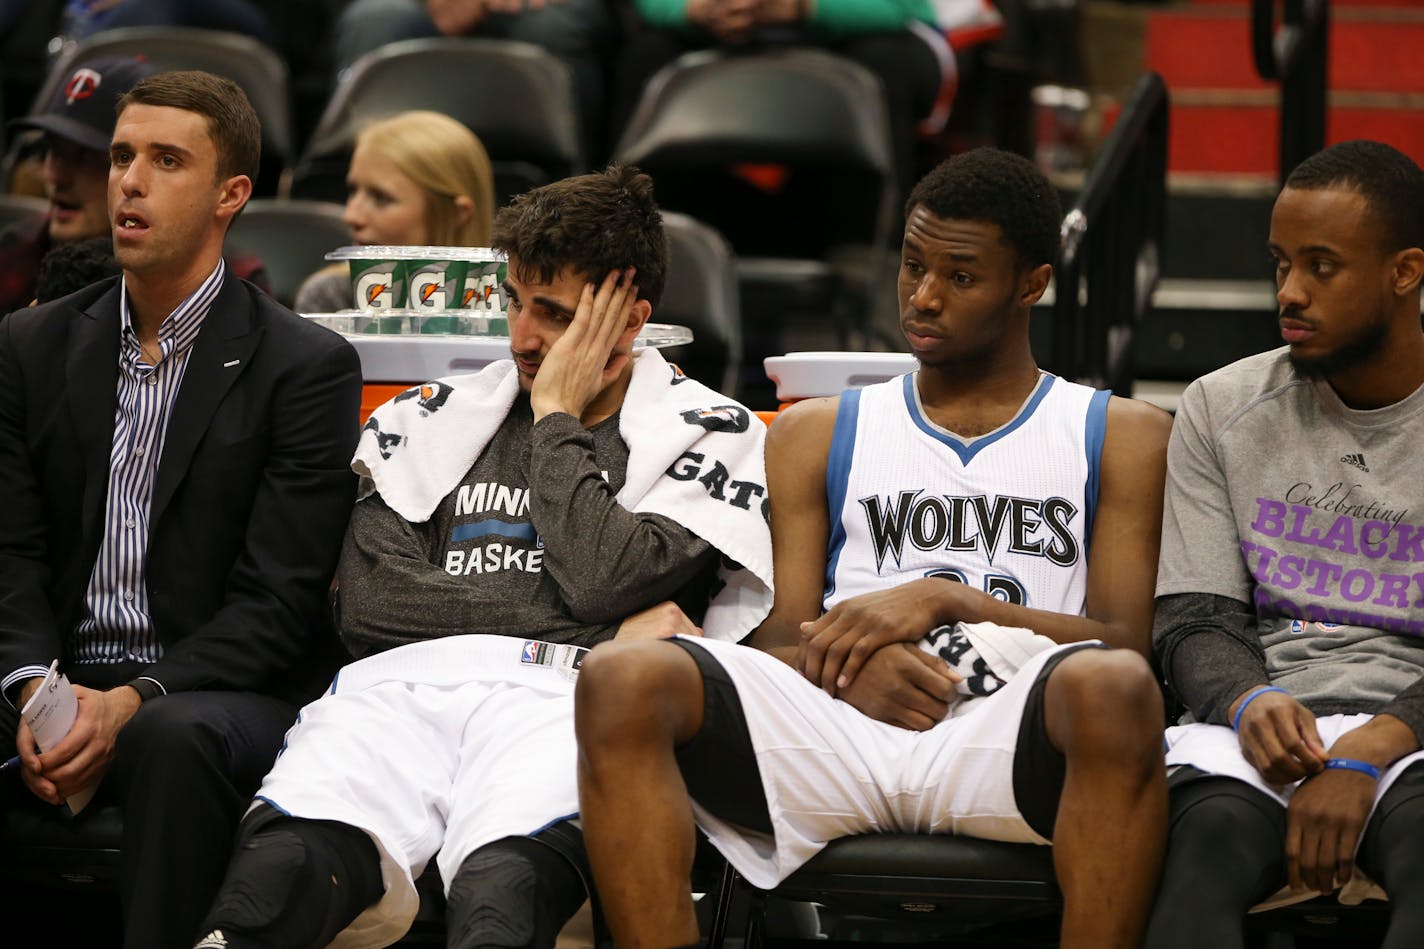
{"points": [[50, 713]]}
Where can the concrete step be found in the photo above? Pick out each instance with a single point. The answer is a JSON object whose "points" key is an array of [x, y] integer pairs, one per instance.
{"points": [[1217, 226], [1200, 325], [1163, 393]]}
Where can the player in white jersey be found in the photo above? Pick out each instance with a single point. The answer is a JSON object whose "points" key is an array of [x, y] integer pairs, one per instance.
{"points": [[964, 495], [1012, 508]]}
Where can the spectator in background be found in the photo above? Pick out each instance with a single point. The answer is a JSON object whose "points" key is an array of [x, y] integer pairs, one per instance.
{"points": [[895, 39], [77, 123], [74, 266], [415, 178], [83, 18], [574, 30]]}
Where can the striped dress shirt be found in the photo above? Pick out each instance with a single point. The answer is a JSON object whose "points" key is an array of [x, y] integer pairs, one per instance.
{"points": [[116, 626]]}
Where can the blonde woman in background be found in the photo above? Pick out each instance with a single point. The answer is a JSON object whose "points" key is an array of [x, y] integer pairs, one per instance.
{"points": [[415, 178]]}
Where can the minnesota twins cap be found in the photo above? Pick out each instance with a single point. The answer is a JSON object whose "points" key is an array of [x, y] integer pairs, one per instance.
{"points": [[82, 108]]}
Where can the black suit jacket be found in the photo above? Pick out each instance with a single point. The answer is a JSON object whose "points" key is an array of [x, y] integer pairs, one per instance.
{"points": [[251, 497]]}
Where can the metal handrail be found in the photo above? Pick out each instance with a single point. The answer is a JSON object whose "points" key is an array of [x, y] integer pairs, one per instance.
{"points": [[1295, 53], [1109, 262]]}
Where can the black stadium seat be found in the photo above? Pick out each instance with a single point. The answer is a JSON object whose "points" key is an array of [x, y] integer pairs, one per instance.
{"points": [[517, 97], [41, 847], [291, 238], [701, 294], [819, 118], [935, 883]]}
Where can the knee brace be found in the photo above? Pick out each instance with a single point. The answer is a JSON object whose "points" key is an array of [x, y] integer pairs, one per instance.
{"points": [[292, 883], [515, 893]]}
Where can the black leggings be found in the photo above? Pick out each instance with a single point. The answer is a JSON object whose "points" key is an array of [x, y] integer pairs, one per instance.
{"points": [[1392, 853], [1226, 852]]}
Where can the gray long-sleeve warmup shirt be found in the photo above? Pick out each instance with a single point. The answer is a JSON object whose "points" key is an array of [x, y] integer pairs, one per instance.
{"points": [[532, 543]]}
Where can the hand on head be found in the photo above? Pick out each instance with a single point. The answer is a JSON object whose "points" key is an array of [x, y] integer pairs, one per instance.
{"points": [[590, 355]]}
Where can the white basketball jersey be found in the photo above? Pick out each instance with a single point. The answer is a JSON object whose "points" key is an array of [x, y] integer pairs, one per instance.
{"points": [[1009, 513]]}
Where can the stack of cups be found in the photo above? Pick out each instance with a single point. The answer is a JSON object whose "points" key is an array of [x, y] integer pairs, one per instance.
{"points": [[445, 290]]}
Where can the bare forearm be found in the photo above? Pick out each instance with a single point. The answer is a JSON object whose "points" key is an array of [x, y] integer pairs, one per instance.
{"points": [[956, 603], [1381, 741], [780, 630], [1059, 627]]}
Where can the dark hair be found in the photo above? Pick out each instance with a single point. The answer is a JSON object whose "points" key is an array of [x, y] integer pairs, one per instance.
{"points": [[73, 266], [997, 187], [590, 224], [232, 123], [1391, 183]]}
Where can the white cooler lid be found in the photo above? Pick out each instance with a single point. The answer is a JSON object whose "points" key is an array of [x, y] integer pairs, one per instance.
{"points": [[811, 375]]}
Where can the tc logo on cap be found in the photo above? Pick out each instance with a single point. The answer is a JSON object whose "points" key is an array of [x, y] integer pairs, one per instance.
{"points": [[83, 84]]}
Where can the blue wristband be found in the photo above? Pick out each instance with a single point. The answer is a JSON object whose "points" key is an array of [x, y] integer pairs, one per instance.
{"points": [[1236, 719], [1353, 764]]}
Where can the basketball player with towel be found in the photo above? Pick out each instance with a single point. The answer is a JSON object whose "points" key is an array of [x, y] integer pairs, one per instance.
{"points": [[954, 551], [511, 519]]}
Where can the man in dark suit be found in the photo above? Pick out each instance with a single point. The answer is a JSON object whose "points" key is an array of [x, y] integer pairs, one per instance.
{"points": [[174, 485]]}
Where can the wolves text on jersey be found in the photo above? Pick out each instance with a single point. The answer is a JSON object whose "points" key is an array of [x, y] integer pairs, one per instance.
{"points": [[945, 522]]}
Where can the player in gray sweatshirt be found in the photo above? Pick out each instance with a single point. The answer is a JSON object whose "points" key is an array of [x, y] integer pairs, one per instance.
{"points": [[529, 549], [1290, 595]]}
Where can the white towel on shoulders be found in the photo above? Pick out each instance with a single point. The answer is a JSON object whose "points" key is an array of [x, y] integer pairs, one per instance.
{"points": [[695, 456]]}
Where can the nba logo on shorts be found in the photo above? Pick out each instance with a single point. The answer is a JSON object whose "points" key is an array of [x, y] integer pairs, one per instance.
{"points": [[530, 653]]}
